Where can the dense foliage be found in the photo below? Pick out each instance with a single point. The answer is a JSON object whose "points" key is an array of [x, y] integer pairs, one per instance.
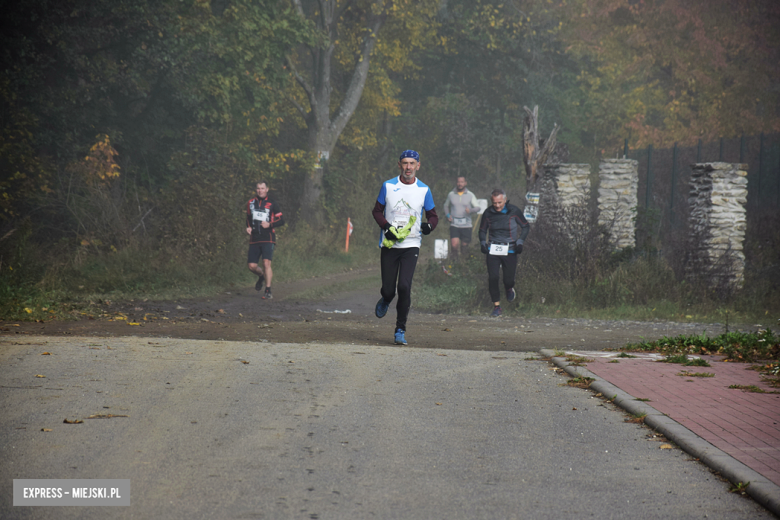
{"points": [[134, 129]]}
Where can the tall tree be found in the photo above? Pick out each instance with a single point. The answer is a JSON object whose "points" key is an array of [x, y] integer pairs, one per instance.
{"points": [[333, 73]]}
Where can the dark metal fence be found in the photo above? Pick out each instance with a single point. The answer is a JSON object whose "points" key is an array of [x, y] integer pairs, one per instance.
{"points": [[663, 208]]}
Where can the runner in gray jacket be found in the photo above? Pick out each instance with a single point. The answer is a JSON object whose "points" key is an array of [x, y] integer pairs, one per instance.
{"points": [[459, 207]]}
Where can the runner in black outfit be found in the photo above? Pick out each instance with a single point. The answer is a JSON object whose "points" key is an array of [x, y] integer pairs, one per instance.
{"points": [[508, 229], [262, 216]]}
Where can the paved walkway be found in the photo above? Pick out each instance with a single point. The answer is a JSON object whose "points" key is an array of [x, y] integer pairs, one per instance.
{"points": [[745, 425]]}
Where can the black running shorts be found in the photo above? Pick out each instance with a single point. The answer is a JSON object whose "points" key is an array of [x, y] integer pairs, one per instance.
{"points": [[463, 233], [264, 249]]}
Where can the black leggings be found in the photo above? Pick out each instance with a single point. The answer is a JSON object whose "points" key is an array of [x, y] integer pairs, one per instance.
{"points": [[398, 266], [509, 263]]}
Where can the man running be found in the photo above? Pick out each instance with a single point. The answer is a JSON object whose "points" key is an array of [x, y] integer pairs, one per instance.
{"points": [[460, 204], [398, 211], [508, 229], [262, 217]]}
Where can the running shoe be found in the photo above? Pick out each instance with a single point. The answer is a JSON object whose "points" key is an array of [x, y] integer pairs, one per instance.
{"points": [[496, 312], [381, 308], [511, 295], [400, 337], [259, 282], [267, 295]]}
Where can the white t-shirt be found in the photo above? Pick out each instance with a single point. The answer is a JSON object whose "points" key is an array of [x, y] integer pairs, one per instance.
{"points": [[403, 201]]}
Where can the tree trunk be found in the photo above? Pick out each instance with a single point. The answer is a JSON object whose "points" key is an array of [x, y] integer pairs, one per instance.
{"points": [[324, 129], [534, 157]]}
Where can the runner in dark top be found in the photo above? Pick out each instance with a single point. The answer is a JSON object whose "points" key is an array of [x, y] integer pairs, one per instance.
{"points": [[263, 216], [507, 229]]}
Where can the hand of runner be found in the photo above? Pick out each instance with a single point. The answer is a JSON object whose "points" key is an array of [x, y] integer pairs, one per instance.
{"points": [[265, 224], [484, 248], [518, 248], [425, 228], [390, 233], [249, 230]]}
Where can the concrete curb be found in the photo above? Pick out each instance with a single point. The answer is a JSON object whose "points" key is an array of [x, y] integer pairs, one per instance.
{"points": [[762, 490]]}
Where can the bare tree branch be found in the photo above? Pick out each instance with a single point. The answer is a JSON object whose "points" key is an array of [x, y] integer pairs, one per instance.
{"points": [[297, 106], [300, 79], [359, 75]]}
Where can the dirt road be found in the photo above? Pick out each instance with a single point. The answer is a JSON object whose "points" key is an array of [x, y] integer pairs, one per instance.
{"points": [[340, 309]]}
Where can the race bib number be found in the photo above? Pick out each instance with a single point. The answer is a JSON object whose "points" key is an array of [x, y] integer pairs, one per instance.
{"points": [[398, 223], [499, 249], [262, 216], [460, 221]]}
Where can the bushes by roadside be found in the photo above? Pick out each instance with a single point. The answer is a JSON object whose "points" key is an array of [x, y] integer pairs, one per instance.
{"points": [[569, 268]]}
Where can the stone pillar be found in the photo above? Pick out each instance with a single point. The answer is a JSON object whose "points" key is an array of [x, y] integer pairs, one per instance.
{"points": [[717, 223], [618, 186], [569, 184]]}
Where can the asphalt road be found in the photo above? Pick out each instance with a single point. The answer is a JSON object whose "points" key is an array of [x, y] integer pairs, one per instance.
{"points": [[250, 430]]}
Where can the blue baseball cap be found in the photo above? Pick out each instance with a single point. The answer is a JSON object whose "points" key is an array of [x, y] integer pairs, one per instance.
{"points": [[409, 153]]}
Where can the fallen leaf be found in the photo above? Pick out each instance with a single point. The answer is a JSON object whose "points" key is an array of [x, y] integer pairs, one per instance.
{"points": [[46, 354], [132, 323], [445, 355], [76, 421], [438, 404], [245, 362], [574, 408], [46, 429], [666, 446], [39, 375], [446, 330], [221, 311]]}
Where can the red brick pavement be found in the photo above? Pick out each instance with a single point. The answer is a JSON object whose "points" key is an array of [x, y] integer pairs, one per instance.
{"points": [[745, 425]]}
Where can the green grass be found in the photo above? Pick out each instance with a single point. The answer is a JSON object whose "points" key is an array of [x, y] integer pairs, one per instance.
{"points": [[686, 373], [736, 346], [136, 273], [630, 288], [752, 388]]}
